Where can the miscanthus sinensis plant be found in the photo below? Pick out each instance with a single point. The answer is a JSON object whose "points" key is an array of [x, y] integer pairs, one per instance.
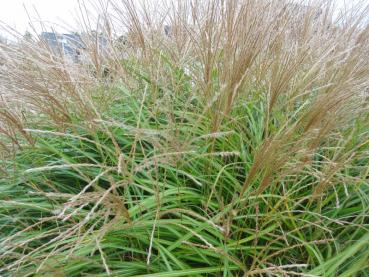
{"points": [[217, 138]]}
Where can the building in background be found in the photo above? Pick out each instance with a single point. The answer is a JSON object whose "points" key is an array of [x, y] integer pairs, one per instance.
{"points": [[69, 46], [73, 46], [3, 40]]}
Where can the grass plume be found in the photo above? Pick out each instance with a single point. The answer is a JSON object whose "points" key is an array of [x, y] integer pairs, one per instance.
{"points": [[217, 138]]}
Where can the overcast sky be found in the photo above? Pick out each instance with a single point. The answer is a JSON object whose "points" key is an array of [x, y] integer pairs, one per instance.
{"points": [[12, 12]]}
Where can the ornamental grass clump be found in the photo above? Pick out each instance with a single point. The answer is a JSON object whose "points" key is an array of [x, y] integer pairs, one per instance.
{"points": [[214, 138]]}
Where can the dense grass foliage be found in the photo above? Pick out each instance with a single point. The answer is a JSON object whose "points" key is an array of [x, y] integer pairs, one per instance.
{"points": [[235, 145]]}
